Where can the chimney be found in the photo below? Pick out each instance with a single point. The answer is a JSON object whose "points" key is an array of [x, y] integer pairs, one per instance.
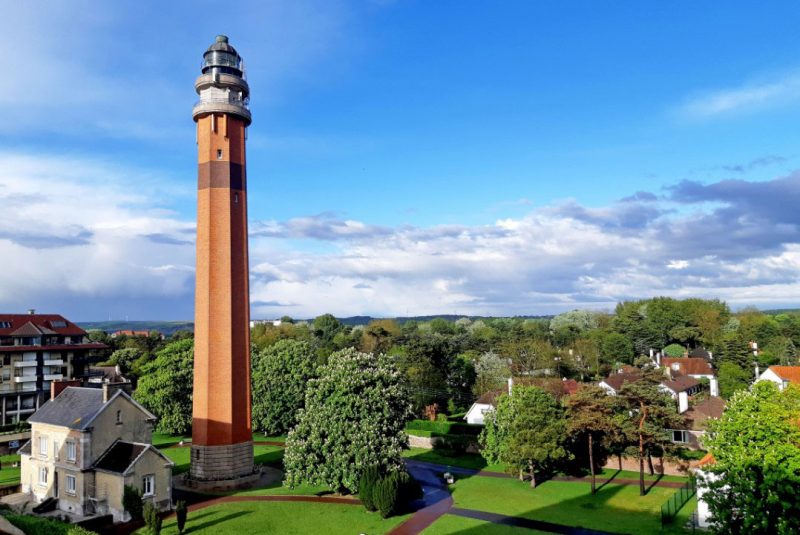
{"points": [[714, 384], [658, 358], [758, 372], [755, 348], [510, 384], [711, 355], [31, 311], [56, 387], [109, 389], [683, 402], [651, 353]]}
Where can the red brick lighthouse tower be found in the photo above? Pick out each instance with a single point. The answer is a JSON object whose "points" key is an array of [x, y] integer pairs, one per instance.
{"points": [[222, 449]]}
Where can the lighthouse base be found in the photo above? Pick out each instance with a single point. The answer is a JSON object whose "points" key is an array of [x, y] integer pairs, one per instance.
{"points": [[221, 467]]}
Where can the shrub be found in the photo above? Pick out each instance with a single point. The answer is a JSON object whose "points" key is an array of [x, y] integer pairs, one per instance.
{"points": [[386, 494], [155, 529], [181, 512], [77, 530], [132, 502], [409, 488], [150, 513], [366, 487], [674, 350], [453, 443], [443, 428]]}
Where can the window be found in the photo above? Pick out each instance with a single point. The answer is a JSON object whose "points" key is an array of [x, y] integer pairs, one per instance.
{"points": [[681, 437], [119, 417], [58, 324], [70, 484], [43, 476], [5, 324], [71, 450], [148, 485], [55, 449], [235, 198], [219, 154], [42, 445]]}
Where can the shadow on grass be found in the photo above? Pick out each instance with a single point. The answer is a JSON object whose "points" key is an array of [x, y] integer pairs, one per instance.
{"points": [[225, 518], [609, 480]]}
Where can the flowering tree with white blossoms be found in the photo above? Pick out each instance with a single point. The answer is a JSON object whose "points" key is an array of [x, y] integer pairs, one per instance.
{"points": [[354, 417]]}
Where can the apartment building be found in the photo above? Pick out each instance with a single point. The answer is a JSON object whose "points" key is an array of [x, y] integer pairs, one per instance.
{"points": [[36, 349]]}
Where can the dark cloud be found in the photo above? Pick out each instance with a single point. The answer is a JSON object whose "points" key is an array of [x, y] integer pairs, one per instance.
{"points": [[324, 227], [640, 196], [166, 239], [36, 240], [754, 164]]}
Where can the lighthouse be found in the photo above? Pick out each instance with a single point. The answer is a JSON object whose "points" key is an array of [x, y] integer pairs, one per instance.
{"points": [[222, 448]]}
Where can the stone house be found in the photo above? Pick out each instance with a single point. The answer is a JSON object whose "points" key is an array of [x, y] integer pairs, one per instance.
{"points": [[86, 445]]}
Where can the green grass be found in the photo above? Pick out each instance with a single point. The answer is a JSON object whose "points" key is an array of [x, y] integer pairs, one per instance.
{"points": [[271, 455], [161, 440], [452, 525], [463, 460], [278, 490], [615, 508], [250, 518], [259, 437], [8, 474]]}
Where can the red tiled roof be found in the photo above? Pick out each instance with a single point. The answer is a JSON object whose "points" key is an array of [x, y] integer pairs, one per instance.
{"points": [[489, 398], [616, 380], [689, 365], [708, 459], [787, 373], [52, 347], [42, 322], [681, 383], [554, 385]]}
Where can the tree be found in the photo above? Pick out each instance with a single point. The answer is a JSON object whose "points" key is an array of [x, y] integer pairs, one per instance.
{"points": [[652, 413], [354, 417], [732, 378], [491, 373], [617, 347], [280, 374], [125, 358], [165, 387], [181, 512], [590, 413], [132, 502], [753, 484], [526, 432]]}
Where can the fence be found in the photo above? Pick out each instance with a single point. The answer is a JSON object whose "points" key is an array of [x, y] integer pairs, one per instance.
{"points": [[678, 500]]}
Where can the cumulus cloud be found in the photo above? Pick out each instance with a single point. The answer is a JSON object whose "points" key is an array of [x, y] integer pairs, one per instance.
{"points": [[76, 238]]}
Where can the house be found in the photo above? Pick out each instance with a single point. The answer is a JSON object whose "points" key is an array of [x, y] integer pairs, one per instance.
{"points": [[487, 402], [36, 349], [115, 334], [703, 474], [696, 420], [781, 375], [677, 384], [86, 445], [98, 375], [695, 367], [614, 382]]}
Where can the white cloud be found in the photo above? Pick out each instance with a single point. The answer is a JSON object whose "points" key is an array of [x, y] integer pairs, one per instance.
{"points": [[745, 98]]}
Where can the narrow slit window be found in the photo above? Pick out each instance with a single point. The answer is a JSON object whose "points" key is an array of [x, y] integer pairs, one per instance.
{"points": [[235, 198], [219, 154]]}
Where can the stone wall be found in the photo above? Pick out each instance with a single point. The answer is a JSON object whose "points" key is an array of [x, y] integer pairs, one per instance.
{"points": [[670, 468]]}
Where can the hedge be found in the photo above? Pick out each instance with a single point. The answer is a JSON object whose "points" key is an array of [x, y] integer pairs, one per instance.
{"points": [[442, 428]]}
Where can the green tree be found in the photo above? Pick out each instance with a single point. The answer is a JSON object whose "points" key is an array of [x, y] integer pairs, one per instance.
{"points": [[734, 349], [652, 413], [526, 432], [280, 374], [733, 378], [617, 347], [354, 416], [492, 373], [181, 512], [590, 413], [125, 358], [165, 387], [132, 502], [754, 482]]}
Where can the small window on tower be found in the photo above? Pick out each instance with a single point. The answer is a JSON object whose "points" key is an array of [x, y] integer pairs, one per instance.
{"points": [[235, 198], [219, 154]]}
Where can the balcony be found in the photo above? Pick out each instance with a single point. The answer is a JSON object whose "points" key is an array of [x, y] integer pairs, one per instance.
{"points": [[25, 378], [53, 362], [53, 377], [25, 364]]}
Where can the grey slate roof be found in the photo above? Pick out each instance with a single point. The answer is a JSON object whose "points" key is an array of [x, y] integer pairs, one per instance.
{"points": [[74, 407]]}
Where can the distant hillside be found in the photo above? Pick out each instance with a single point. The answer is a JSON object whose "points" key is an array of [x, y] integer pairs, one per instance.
{"points": [[165, 327], [363, 320]]}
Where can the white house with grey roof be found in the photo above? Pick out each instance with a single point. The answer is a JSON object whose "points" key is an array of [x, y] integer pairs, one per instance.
{"points": [[86, 445]]}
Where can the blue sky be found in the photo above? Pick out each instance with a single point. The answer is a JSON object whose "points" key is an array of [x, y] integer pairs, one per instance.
{"points": [[408, 157]]}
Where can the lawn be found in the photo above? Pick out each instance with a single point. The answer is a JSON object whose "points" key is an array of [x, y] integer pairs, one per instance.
{"points": [[246, 518], [462, 460], [452, 525], [615, 508], [8, 474], [271, 455], [161, 440]]}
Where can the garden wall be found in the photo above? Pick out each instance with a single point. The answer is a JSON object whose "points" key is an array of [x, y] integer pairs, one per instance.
{"points": [[669, 468]]}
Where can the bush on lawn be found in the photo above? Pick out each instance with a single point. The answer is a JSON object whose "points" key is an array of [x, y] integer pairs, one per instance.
{"points": [[150, 513], [409, 488], [444, 427], [77, 530], [132, 502], [453, 443], [366, 487], [34, 525], [155, 529], [181, 512], [386, 495]]}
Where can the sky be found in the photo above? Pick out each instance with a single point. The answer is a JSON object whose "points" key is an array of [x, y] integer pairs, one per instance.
{"points": [[407, 157]]}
